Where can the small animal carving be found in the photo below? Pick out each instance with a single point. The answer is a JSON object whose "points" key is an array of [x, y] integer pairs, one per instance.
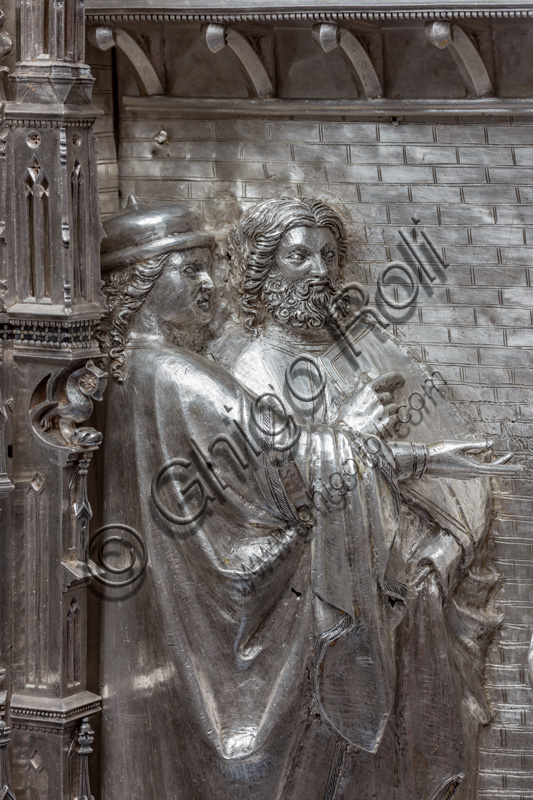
{"points": [[82, 387]]}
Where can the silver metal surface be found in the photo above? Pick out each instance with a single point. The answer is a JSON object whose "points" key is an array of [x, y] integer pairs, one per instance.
{"points": [[382, 8], [297, 570], [329, 37], [49, 268], [274, 548]]}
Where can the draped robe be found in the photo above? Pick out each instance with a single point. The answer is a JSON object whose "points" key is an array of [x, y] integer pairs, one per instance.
{"points": [[440, 644], [259, 642]]}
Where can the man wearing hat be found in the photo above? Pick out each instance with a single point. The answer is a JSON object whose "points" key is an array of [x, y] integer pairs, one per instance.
{"points": [[155, 256], [203, 659], [257, 644]]}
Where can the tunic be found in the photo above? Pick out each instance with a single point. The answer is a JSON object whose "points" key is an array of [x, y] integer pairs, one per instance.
{"points": [[440, 644], [259, 643]]}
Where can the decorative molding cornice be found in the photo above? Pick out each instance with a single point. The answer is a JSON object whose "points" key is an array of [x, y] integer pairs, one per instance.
{"points": [[28, 710], [415, 14], [51, 334], [493, 106], [20, 118]]}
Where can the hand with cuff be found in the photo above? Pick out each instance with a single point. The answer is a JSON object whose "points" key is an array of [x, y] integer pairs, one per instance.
{"points": [[450, 459]]}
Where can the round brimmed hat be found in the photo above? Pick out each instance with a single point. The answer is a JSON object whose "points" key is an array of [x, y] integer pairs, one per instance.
{"points": [[146, 230]]}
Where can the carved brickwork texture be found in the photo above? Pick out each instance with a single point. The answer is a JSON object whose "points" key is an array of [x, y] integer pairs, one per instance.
{"points": [[471, 184]]}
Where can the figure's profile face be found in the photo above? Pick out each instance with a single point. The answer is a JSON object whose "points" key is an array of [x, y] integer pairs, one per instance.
{"points": [[183, 292], [305, 252]]}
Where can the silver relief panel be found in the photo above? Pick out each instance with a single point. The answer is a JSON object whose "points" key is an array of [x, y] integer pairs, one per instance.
{"points": [[316, 596], [288, 555]]}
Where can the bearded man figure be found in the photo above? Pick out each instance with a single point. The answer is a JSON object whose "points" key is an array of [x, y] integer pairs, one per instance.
{"points": [[209, 681], [288, 262], [289, 291], [256, 652], [217, 662]]}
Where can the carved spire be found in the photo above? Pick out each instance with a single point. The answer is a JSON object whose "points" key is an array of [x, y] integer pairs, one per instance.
{"points": [[52, 269], [51, 188], [52, 30]]}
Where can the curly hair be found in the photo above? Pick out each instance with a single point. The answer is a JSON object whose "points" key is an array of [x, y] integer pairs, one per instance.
{"points": [[125, 291], [253, 241]]}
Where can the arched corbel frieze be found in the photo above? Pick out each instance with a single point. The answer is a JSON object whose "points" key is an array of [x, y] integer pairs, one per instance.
{"points": [[219, 36], [104, 37], [448, 36], [330, 36]]}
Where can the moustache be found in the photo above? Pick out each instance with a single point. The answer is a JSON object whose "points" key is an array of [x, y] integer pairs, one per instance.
{"points": [[314, 287]]}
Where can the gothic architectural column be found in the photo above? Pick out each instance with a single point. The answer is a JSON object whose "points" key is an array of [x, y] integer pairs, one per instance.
{"points": [[51, 300]]}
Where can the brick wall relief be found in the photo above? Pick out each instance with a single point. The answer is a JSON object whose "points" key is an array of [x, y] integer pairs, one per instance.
{"points": [[416, 129], [414, 125], [436, 168]]}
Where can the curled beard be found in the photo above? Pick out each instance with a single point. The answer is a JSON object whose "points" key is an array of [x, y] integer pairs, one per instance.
{"points": [[304, 303]]}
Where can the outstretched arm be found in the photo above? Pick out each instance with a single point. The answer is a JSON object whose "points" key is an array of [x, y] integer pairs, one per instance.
{"points": [[449, 459]]}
